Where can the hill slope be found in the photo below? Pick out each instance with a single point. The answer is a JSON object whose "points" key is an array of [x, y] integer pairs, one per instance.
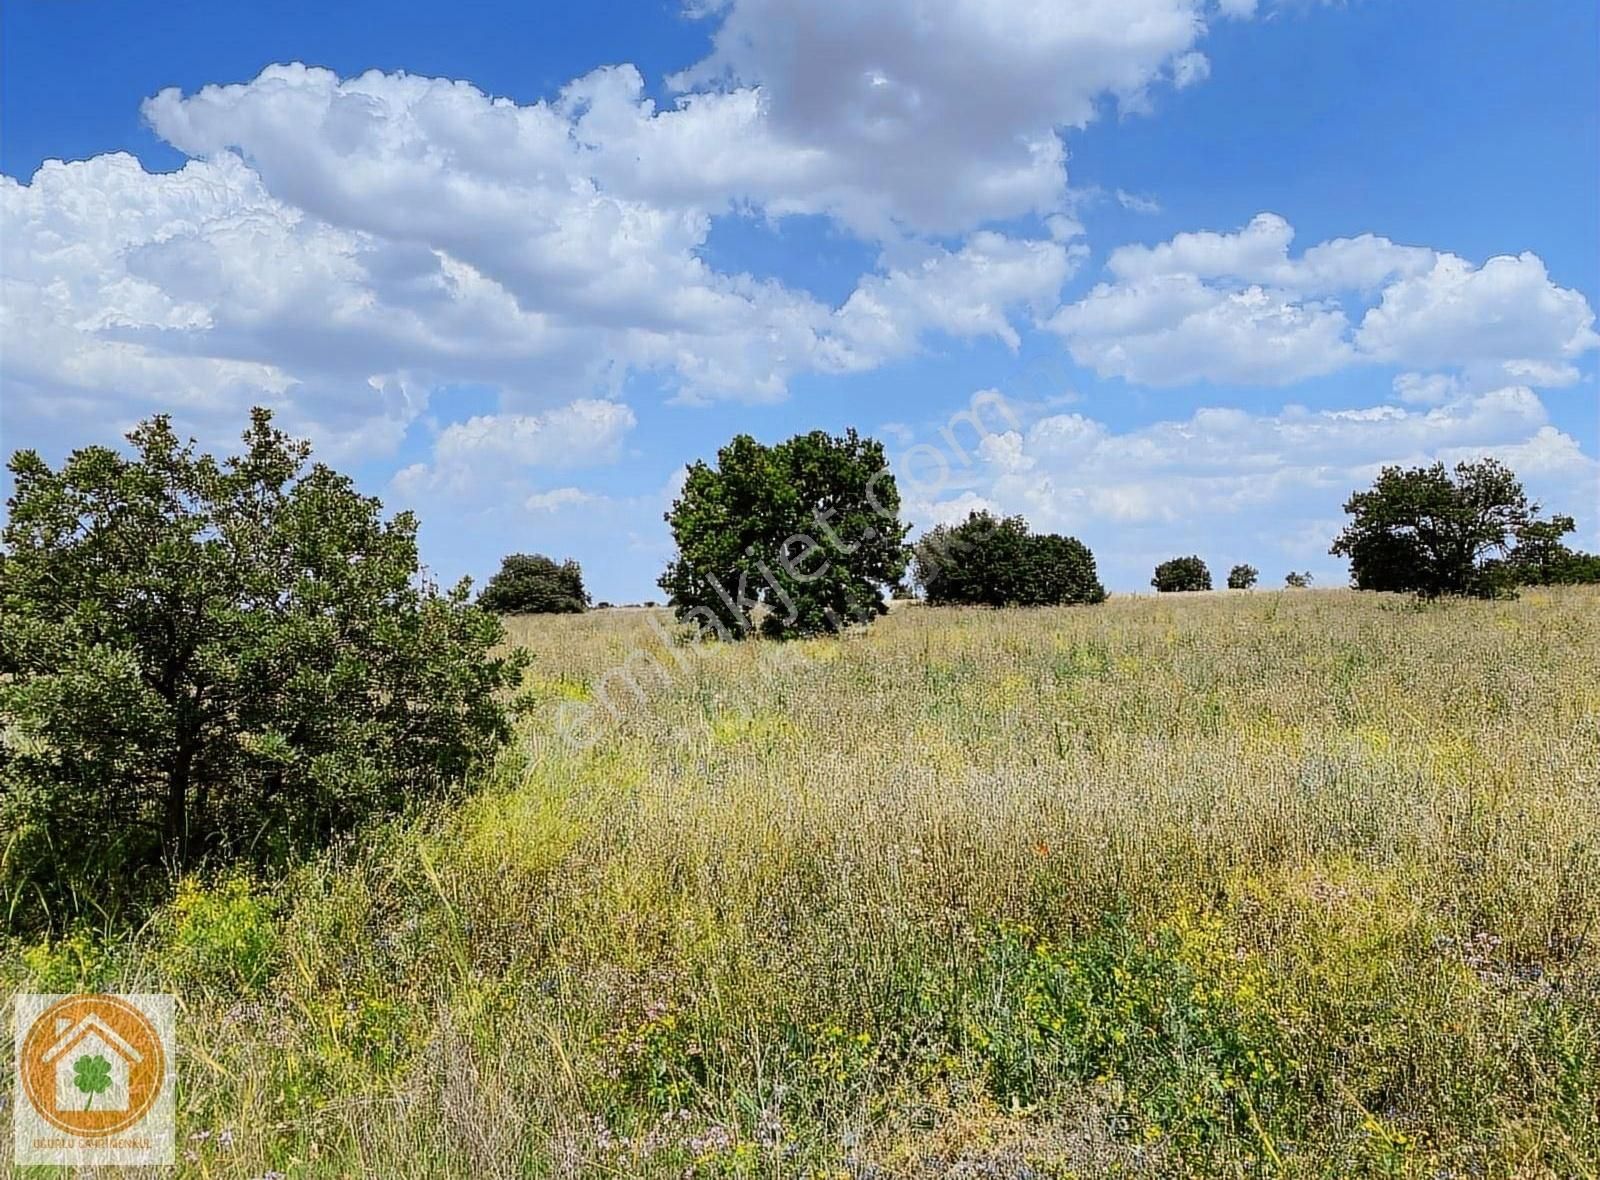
{"points": [[1299, 883]]}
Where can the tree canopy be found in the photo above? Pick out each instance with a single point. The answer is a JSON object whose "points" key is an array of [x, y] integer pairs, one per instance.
{"points": [[1541, 558], [1242, 577], [992, 561], [1181, 574], [798, 538], [217, 659], [533, 584], [1433, 531]]}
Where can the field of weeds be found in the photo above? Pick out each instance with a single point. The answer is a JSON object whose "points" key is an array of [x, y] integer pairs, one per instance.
{"points": [[1288, 884]]}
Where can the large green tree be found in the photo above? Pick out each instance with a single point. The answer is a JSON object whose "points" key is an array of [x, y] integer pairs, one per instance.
{"points": [[533, 584], [798, 538], [1433, 531], [993, 561], [213, 659]]}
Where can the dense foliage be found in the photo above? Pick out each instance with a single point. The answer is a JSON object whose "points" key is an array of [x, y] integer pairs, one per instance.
{"points": [[208, 660], [990, 561], [1243, 577], [533, 584], [1297, 581], [1541, 558], [1180, 574], [799, 538], [1432, 532]]}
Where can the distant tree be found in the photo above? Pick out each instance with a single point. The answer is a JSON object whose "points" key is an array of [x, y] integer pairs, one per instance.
{"points": [[1181, 574], [1574, 569], [977, 562], [798, 538], [209, 660], [1242, 577], [992, 561], [1297, 581], [1061, 572], [1433, 532], [533, 584], [1541, 558]]}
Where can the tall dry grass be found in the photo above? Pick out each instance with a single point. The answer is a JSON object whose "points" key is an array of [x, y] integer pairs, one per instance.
{"points": [[1294, 884]]}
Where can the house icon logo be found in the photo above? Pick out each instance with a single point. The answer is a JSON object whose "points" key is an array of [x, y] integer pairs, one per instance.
{"points": [[92, 1070]]}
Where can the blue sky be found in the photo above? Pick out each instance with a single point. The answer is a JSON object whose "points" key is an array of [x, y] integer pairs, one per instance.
{"points": [[514, 266]]}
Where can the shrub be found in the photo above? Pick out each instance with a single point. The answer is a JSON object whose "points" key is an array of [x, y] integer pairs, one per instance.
{"points": [[988, 561], [1296, 581], [212, 660], [1242, 577], [78, 961], [1180, 574], [225, 936], [805, 535], [533, 584]]}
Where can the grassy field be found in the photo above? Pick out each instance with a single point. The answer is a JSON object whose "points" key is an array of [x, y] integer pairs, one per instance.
{"points": [[1299, 884]]}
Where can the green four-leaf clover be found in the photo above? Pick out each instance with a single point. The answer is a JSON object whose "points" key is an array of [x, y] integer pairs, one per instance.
{"points": [[92, 1075]]}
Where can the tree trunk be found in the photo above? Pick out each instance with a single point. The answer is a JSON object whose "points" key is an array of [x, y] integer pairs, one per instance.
{"points": [[177, 822]]}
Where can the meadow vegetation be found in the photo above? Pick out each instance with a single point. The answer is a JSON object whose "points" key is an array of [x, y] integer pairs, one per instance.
{"points": [[1272, 884]]}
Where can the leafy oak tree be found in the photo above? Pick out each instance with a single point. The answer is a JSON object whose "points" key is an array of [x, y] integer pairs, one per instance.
{"points": [[209, 660], [1243, 577], [796, 539], [992, 561], [532, 584], [1432, 531], [1181, 574]]}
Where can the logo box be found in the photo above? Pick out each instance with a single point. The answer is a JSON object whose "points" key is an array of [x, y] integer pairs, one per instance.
{"points": [[95, 1076]]}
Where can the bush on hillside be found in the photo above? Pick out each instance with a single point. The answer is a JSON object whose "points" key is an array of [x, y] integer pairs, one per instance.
{"points": [[210, 660], [1242, 577], [990, 561], [1296, 581], [533, 584], [1181, 574], [799, 538]]}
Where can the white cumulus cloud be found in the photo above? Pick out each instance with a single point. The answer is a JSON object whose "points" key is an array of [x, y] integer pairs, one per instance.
{"points": [[341, 249], [934, 117], [1238, 307], [488, 450]]}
